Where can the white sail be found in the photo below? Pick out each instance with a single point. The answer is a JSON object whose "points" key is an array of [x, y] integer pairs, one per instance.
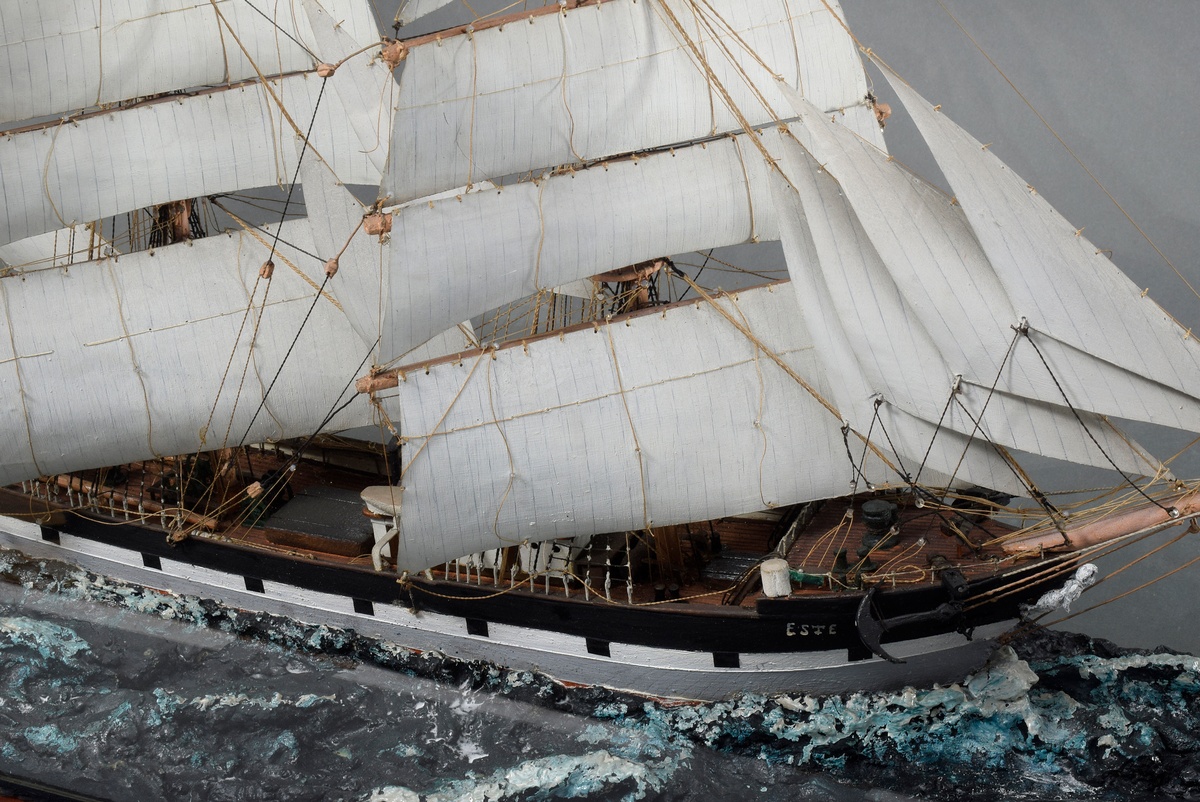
{"points": [[1047, 267], [917, 444], [129, 376], [335, 219], [590, 82], [180, 148], [54, 248], [360, 284], [365, 86], [411, 10], [455, 258], [452, 342], [138, 48], [591, 431], [876, 349], [953, 289]]}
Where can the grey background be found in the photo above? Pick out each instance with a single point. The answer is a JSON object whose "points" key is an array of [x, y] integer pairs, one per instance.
{"points": [[1117, 80]]}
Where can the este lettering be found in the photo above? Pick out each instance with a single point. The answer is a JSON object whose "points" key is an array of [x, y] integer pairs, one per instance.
{"points": [[810, 629]]}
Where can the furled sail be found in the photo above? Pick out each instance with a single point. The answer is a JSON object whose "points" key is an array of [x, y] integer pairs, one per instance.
{"points": [[954, 294], [1075, 296], [581, 84], [137, 48], [891, 376], [183, 147], [590, 431]]}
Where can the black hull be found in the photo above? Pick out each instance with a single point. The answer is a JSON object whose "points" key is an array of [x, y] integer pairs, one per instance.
{"points": [[778, 633]]}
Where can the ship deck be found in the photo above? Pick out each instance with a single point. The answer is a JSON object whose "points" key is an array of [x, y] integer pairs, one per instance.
{"points": [[319, 517]]}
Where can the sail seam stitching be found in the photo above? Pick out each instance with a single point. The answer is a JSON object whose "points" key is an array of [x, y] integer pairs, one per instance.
{"points": [[582, 401], [704, 66], [612, 347], [137, 368], [1069, 150], [445, 414], [762, 398], [1169, 510], [512, 467], [12, 338]]}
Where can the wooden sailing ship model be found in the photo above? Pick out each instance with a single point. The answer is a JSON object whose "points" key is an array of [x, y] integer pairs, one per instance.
{"points": [[589, 462]]}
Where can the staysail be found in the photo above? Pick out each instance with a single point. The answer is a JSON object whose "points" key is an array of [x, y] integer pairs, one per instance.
{"points": [[365, 88], [1075, 296], [954, 293], [890, 373]]}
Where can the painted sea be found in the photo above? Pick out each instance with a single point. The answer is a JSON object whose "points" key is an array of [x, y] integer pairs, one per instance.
{"points": [[114, 692]]}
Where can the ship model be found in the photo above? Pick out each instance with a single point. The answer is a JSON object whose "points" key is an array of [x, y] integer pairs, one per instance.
{"points": [[232, 234]]}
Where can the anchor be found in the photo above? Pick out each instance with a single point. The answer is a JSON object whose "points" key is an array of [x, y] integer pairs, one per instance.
{"points": [[871, 629]]}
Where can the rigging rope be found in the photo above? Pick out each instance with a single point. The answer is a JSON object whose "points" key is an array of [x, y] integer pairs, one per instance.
{"points": [[298, 452], [857, 465], [335, 408], [977, 424], [213, 199], [1130, 592], [512, 467], [299, 160], [703, 265], [275, 241], [278, 371], [253, 231], [1067, 147], [12, 339], [714, 82], [637, 446], [282, 31], [1171, 511]]}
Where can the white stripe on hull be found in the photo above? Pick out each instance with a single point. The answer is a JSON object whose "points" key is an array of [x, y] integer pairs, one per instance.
{"points": [[647, 670]]}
